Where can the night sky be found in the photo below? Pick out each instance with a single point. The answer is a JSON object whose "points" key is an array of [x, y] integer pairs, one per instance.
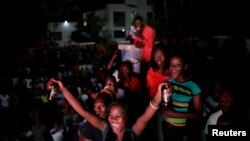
{"points": [[20, 23]]}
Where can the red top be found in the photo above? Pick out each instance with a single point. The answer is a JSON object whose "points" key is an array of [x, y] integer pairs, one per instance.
{"points": [[154, 78], [134, 85], [148, 42]]}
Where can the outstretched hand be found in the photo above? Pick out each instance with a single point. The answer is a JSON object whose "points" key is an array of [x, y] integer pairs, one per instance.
{"points": [[53, 82], [115, 54]]}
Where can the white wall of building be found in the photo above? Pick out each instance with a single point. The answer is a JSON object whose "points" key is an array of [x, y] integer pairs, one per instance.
{"points": [[65, 28], [142, 7]]}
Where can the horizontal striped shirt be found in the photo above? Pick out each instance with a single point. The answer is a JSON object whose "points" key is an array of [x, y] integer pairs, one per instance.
{"points": [[181, 97]]}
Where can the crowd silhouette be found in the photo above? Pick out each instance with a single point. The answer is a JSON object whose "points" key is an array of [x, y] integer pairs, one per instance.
{"points": [[214, 66]]}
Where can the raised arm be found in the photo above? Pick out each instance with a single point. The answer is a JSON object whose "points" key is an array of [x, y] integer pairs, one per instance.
{"points": [[151, 109], [91, 118], [110, 63]]}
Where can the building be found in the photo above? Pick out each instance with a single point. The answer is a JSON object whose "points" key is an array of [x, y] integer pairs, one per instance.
{"points": [[60, 32], [119, 17]]}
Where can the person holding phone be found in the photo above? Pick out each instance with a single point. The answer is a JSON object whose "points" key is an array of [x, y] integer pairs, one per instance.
{"points": [[144, 37]]}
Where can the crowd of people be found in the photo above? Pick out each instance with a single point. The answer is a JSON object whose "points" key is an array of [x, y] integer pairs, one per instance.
{"points": [[102, 99]]}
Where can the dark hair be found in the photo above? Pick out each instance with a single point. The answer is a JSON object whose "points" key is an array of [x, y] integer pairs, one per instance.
{"points": [[105, 98], [111, 77], [121, 104], [182, 55], [166, 54], [228, 89], [185, 60], [138, 17], [228, 85], [129, 65]]}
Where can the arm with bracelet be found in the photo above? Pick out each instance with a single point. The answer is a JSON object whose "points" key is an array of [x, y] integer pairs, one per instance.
{"points": [[151, 109]]}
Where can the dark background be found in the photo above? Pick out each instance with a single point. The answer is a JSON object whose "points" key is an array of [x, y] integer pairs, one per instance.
{"points": [[22, 21]]}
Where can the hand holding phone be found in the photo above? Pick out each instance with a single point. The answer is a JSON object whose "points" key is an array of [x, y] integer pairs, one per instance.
{"points": [[52, 92]]}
